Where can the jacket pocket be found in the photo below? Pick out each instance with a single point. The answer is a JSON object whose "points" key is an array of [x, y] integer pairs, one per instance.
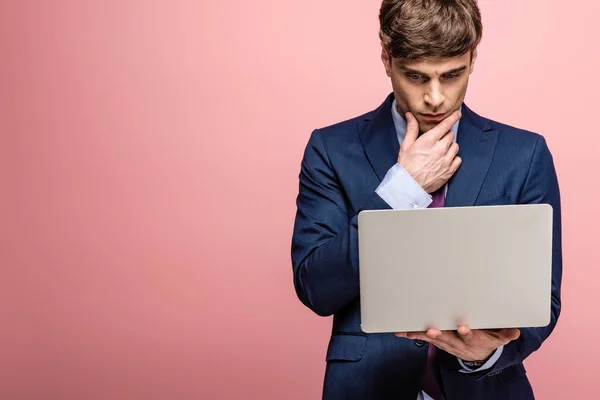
{"points": [[346, 347]]}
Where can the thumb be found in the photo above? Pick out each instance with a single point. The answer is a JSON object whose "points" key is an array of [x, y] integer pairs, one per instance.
{"points": [[412, 130], [511, 333]]}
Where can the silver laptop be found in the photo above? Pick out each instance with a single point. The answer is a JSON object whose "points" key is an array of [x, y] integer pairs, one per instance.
{"points": [[486, 267]]}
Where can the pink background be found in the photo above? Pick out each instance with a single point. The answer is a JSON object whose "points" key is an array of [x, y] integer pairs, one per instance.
{"points": [[150, 153]]}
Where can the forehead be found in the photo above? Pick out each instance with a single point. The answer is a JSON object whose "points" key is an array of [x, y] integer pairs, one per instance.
{"points": [[433, 66]]}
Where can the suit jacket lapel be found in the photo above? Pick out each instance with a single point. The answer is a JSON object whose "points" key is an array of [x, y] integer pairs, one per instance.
{"points": [[379, 139], [477, 141]]}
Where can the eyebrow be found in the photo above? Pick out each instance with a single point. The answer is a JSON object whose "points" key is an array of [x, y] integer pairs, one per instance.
{"points": [[414, 71]]}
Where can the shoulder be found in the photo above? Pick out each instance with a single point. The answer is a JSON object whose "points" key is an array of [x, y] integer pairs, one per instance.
{"points": [[345, 130], [340, 139], [511, 138]]}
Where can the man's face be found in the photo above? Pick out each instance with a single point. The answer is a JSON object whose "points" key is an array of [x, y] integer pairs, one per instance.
{"points": [[430, 88]]}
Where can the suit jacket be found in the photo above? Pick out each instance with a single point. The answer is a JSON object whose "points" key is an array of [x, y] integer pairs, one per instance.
{"points": [[342, 166]]}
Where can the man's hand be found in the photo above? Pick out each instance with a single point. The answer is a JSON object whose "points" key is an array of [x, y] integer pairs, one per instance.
{"points": [[466, 344], [432, 158]]}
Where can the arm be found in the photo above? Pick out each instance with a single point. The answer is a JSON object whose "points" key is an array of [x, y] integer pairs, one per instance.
{"points": [[541, 186], [325, 237], [512, 345]]}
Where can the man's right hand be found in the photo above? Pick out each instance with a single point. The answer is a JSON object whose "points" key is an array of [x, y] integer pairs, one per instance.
{"points": [[432, 158]]}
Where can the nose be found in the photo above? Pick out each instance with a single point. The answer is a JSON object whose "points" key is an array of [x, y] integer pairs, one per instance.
{"points": [[434, 97]]}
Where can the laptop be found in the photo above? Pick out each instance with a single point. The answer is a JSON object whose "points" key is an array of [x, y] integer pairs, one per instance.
{"points": [[485, 267]]}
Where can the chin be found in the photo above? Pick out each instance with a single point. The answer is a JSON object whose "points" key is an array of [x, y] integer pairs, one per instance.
{"points": [[426, 126]]}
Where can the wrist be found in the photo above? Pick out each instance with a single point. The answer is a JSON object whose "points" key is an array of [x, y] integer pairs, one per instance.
{"points": [[474, 364]]}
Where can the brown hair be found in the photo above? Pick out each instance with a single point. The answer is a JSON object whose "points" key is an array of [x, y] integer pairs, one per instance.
{"points": [[414, 29]]}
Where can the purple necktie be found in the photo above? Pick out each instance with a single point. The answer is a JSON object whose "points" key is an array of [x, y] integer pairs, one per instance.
{"points": [[430, 381], [439, 197]]}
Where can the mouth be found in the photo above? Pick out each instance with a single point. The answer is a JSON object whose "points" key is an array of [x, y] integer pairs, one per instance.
{"points": [[433, 117]]}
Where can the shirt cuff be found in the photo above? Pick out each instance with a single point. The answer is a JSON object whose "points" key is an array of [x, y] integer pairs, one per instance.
{"points": [[489, 363], [400, 191]]}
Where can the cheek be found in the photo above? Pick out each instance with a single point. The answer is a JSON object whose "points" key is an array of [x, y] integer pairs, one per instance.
{"points": [[405, 94], [458, 92]]}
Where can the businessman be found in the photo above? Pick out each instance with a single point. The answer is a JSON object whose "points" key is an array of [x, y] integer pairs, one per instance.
{"points": [[422, 147]]}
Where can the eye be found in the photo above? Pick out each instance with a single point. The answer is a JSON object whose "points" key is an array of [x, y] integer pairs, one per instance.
{"points": [[451, 76], [414, 77]]}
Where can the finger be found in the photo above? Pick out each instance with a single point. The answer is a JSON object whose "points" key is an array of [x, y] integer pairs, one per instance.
{"points": [[412, 130], [452, 151], [465, 333], [418, 336], [400, 334], [447, 140], [503, 335], [510, 334], [449, 339], [433, 333], [443, 127], [455, 165], [450, 156]]}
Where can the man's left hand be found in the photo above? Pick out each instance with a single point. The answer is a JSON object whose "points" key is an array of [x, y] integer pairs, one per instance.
{"points": [[464, 343]]}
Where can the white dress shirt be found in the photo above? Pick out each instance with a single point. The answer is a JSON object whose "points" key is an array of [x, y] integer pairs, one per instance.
{"points": [[400, 191]]}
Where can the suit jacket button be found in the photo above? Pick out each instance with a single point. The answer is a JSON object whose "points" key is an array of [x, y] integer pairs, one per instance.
{"points": [[419, 343]]}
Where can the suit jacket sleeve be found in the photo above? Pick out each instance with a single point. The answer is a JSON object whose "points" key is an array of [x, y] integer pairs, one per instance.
{"points": [[325, 236], [541, 186]]}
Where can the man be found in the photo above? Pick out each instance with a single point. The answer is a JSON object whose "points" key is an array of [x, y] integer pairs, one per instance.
{"points": [[423, 147]]}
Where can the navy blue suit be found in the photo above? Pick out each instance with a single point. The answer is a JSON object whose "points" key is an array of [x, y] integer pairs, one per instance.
{"points": [[342, 166]]}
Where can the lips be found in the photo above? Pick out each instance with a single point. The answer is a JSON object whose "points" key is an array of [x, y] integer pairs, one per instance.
{"points": [[433, 117]]}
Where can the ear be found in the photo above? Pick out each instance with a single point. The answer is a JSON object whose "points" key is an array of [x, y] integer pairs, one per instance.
{"points": [[473, 58], [386, 59]]}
